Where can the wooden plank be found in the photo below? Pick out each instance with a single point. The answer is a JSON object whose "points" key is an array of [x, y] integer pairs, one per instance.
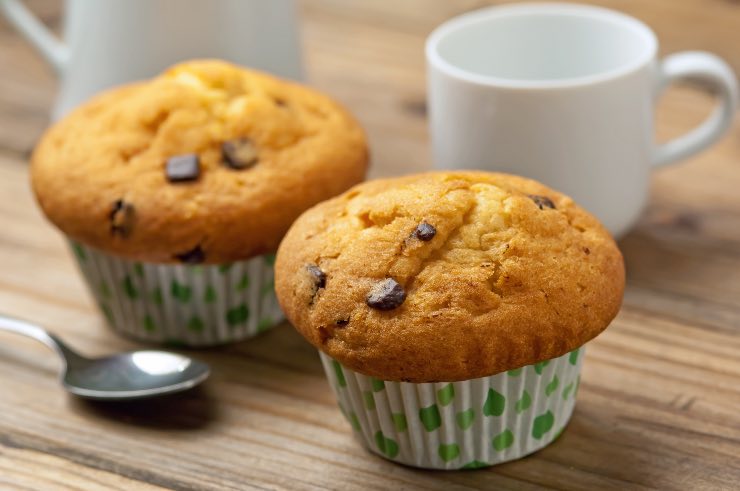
{"points": [[22, 469]]}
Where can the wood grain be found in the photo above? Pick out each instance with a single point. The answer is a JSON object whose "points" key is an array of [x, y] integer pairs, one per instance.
{"points": [[659, 406]]}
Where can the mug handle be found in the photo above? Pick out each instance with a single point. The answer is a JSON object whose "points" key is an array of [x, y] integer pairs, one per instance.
{"points": [[719, 78], [45, 42]]}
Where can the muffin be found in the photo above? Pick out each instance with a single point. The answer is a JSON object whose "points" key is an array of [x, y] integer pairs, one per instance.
{"points": [[450, 311], [176, 192]]}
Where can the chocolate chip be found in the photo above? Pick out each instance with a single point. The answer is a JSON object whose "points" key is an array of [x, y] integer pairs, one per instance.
{"points": [[279, 102], [324, 334], [318, 276], [386, 295], [121, 218], [183, 168], [342, 322], [542, 201], [239, 154], [425, 231], [193, 256], [587, 250]]}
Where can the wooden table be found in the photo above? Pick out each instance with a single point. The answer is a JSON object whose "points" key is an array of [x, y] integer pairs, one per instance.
{"points": [[659, 405]]}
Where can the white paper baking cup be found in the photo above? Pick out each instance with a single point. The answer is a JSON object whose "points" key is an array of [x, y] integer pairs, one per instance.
{"points": [[460, 425], [201, 305]]}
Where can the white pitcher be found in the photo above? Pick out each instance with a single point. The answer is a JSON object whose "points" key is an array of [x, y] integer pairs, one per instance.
{"points": [[109, 42]]}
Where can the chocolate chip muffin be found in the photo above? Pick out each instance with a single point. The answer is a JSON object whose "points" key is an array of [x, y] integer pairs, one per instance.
{"points": [[207, 164], [469, 290]]}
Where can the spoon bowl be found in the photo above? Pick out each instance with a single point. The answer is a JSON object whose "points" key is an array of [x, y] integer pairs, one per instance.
{"points": [[126, 376], [134, 375]]}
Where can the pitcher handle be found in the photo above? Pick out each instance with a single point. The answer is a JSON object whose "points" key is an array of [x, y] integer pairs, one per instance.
{"points": [[51, 48]]}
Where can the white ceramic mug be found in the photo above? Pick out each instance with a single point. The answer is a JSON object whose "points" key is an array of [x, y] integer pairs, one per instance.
{"points": [[564, 94], [109, 42]]}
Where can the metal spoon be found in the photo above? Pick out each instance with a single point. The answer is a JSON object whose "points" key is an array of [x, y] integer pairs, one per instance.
{"points": [[134, 375]]}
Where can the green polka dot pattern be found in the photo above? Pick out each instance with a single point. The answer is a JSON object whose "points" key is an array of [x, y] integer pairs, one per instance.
{"points": [[460, 425], [194, 306]]}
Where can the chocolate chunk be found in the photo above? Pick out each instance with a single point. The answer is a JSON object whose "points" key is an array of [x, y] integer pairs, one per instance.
{"points": [[386, 295], [193, 256], [121, 218], [324, 334], [240, 153], [183, 168], [318, 276], [425, 232], [542, 201]]}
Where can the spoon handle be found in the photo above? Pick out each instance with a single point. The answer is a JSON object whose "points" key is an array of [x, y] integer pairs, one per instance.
{"points": [[24, 328]]}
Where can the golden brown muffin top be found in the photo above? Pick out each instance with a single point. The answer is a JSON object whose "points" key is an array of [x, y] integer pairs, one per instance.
{"points": [[448, 276], [251, 153]]}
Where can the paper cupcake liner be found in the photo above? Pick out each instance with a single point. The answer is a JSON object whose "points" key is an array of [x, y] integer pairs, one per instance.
{"points": [[459, 425], [201, 305]]}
